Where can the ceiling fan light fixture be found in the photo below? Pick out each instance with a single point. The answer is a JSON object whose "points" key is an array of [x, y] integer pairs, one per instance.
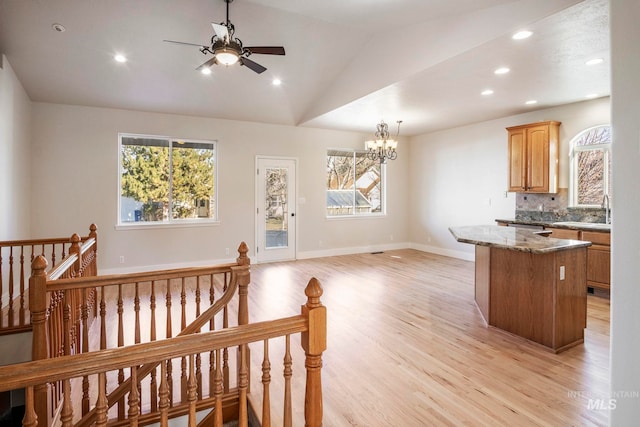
{"points": [[226, 56]]}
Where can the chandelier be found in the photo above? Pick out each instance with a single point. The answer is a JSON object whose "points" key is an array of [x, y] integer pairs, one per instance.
{"points": [[382, 147]]}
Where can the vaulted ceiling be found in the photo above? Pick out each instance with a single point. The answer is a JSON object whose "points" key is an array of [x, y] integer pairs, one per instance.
{"points": [[348, 64]]}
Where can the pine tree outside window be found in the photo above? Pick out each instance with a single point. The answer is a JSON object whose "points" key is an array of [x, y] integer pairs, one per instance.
{"points": [[166, 180]]}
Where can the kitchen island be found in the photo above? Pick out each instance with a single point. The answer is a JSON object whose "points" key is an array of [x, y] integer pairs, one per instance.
{"points": [[528, 284]]}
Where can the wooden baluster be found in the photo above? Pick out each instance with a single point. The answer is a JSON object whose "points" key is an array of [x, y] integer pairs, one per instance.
{"points": [[218, 392], [53, 253], [225, 352], [10, 286], [243, 382], [164, 395], [85, 349], [192, 394], [314, 343], [21, 312], [136, 338], [101, 402], [212, 327], [66, 416], [40, 349], [266, 381], [103, 320], [288, 372], [136, 309], [30, 418], [198, 356], [153, 383], [183, 360], [120, 403], [169, 333], [134, 398]]}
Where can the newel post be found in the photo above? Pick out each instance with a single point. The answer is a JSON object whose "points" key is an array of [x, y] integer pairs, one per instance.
{"points": [[93, 232], [40, 346], [314, 343], [75, 250], [244, 278]]}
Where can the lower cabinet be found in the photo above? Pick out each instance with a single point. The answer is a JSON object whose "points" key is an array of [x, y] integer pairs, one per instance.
{"points": [[598, 254]]}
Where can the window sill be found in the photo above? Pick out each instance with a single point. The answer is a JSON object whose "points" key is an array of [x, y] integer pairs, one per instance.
{"points": [[150, 225]]}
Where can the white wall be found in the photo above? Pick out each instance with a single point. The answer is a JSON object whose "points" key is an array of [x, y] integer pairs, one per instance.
{"points": [[76, 168], [15, 145], [625, 286], [459, 176]]}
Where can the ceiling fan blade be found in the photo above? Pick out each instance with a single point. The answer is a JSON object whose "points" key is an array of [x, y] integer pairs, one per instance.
{"points": [[207, 64], [188, 44], [253, 65], [221, 31], [266, 50]]}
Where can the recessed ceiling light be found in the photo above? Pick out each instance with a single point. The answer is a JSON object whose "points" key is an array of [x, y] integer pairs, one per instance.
{"points": [[531, 102], [502, 70], [592, 95], [520, 35], [487, 92], [276, 82], [594, 61], [120, 58], [59, 28], [206, 71]]}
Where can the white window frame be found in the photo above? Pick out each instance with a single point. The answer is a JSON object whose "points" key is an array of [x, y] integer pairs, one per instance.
{"points": [[573, 167], [170, 222], [383, 190]]}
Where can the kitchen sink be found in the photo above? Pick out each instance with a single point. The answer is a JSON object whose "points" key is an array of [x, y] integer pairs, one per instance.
{"points": [[585, 225]]}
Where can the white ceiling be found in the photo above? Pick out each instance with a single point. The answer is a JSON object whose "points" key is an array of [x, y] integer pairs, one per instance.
{"points": [[348, 64]]}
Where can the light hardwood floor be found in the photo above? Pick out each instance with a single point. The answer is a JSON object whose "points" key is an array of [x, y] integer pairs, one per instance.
{"points": [[408, 347]]}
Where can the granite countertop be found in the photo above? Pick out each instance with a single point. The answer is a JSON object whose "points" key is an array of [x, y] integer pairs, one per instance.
{"points": [[570, 225], [513, 238]]}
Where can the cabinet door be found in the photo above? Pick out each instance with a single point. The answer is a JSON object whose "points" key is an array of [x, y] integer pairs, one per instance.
{"points": [[537, 138], [598, 266], [563, 233], [517, 160]]}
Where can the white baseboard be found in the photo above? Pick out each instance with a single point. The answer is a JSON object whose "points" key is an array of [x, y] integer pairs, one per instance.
{"points": [[143, 268], [467, 256], [351, 250]]}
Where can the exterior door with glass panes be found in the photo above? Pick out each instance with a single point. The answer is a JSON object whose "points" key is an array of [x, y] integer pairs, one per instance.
{"points": [[275, 209]]}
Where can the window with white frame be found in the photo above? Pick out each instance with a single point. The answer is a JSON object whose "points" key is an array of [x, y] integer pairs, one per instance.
{"points": [[355, 184], [590, 167], [166, 180]]}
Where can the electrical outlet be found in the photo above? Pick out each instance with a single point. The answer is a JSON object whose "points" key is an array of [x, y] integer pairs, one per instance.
{"points": [[562, 272], [121, 259]]}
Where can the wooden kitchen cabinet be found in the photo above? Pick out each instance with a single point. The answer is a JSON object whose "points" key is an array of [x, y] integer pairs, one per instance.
{"points": [[598, 259], [533, 157]]}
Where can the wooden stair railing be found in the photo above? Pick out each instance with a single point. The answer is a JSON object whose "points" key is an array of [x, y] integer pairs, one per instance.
{"points": [[15, 256], [311, 323], [120, 322]]}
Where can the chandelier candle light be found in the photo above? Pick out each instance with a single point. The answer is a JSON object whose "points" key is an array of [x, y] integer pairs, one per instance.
{"points": [[383, 148]]}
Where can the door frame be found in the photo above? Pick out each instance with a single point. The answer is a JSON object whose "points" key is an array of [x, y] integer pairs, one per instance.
{"points": [[259, 205]]}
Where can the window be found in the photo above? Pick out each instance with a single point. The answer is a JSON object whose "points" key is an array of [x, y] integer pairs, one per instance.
{"points": [[165, 180], [591, 167], [354, 184]]}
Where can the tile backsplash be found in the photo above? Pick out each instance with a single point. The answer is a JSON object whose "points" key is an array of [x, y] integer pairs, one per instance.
{"points": [[554, 208]]}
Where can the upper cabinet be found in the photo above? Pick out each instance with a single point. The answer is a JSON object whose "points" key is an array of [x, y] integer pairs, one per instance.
{"points": [[533, 157]]}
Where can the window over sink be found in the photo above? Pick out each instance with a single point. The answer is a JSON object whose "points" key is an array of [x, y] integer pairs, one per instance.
{"points": [[590, 167]]}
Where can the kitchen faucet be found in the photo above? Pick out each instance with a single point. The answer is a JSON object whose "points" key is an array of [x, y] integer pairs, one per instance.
{"points": [[605, 205]]}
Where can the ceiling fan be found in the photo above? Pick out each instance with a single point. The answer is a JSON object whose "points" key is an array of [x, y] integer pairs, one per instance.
{"points": [[227, 49]]}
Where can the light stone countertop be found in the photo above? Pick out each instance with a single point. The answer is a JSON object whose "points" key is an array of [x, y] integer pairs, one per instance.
{"points": [[569, 225], [513, 238]]}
